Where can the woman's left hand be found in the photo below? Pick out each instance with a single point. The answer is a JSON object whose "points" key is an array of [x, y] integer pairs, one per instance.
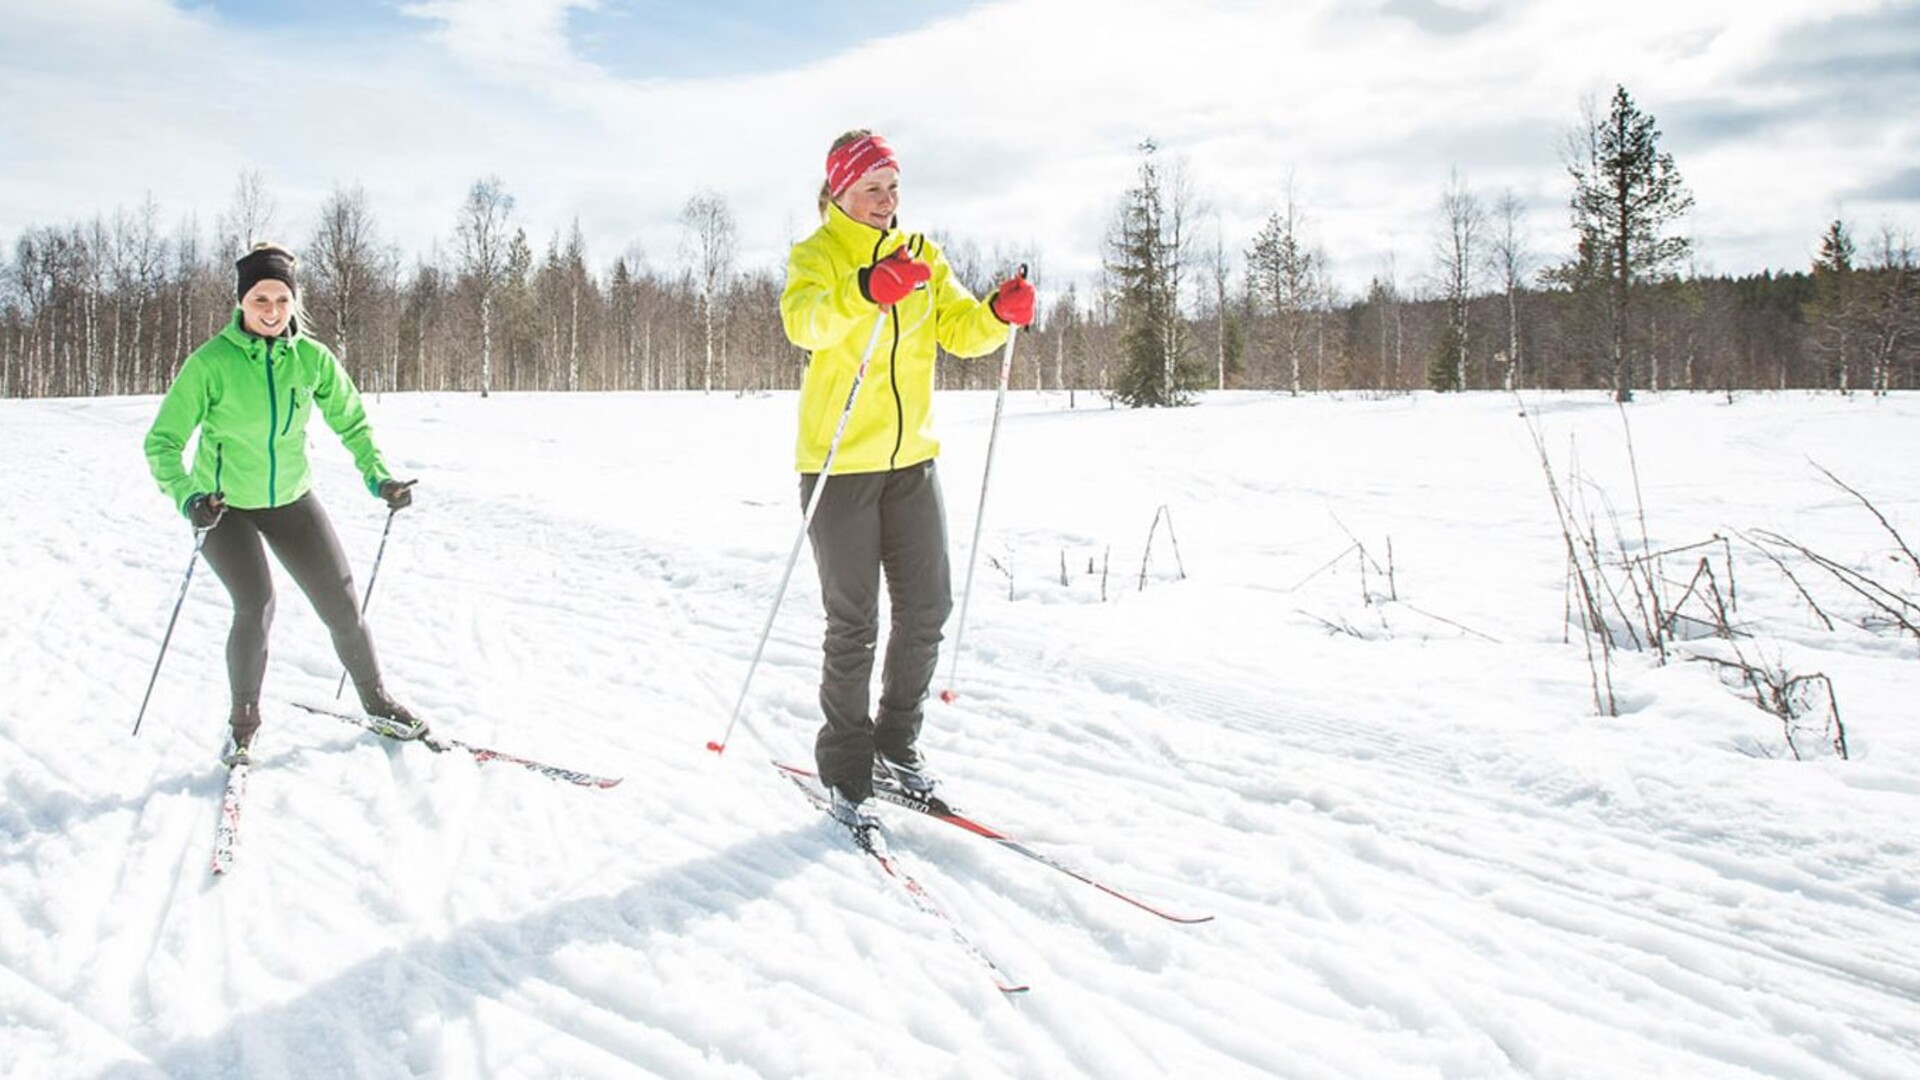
{"points": [[1013, 301]]}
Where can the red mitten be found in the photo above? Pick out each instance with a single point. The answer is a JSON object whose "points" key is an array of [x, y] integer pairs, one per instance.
{"points": [[888, 281], [1013, 301]]}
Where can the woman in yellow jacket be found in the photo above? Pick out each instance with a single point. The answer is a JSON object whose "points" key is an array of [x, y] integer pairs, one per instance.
{"points": [[859, 282]]}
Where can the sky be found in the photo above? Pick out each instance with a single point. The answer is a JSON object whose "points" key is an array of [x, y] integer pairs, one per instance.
{"points": [[1018, 124]]}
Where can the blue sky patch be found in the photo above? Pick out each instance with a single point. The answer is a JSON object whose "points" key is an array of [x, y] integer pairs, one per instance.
{"points": [[645, 39], [641, 39]]}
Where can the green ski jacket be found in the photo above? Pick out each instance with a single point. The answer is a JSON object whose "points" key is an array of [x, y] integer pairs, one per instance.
{"points": [[250, 399]]}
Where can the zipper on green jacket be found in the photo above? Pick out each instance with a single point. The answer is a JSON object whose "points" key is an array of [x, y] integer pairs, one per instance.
{"points": [[293, 402], [273, 421]]}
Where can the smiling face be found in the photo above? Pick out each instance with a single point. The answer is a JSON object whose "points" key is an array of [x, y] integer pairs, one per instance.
{"points": [[872, 199], [267, 308]]}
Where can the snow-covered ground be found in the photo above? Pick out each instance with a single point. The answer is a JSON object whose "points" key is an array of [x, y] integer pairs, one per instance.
{"points": [[1424, 851]]}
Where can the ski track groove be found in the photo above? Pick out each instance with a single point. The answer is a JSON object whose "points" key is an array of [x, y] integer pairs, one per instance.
{"points": [[188, 858], [1212, 762], [503, 995], [1427, 802]]}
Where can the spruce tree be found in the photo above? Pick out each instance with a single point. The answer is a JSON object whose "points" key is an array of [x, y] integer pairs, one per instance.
{"points": [[1831, 315], [1627, 192], [1141, 266]]}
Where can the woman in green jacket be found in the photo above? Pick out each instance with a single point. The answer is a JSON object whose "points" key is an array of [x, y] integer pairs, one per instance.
{"points": [[881, 510], [249, 392]]}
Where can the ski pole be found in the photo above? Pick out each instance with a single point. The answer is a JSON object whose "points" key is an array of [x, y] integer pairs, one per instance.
{"points": [[719, 746], [986, 475], [372, 576], [199, 539]]}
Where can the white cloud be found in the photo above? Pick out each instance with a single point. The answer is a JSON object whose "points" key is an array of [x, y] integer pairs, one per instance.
{"points": [[1017, 121], [515, 41]]}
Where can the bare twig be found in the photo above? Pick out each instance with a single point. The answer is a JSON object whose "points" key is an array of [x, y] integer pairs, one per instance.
{"points": [[1598, 642], [1792, 698], [1681, 550], [1875, 511], [1147, 555], [1341, 627], [1891, 604], [1357, 544], [1449, 622], [1005, 568], [1590, 539], [1710, 597], [1323, 568], [1653, 617], [1801, 589]]}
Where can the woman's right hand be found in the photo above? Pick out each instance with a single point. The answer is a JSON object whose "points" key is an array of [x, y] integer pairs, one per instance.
{"points": [[204, 510], [398, 493], [888, 281]]}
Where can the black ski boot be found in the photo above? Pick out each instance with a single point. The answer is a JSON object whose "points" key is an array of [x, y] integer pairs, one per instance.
{"points": [[391, 718], [242, 724], [907, 771]]}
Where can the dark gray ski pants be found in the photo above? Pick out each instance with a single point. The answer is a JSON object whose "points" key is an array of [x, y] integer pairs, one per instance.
{"points": [[303, 538], [868, 524]]}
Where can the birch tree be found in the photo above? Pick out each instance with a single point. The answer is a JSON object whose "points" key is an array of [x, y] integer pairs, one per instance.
{"points": [[1892, 311], [1510, 261], [708, 237], [1457, 257], [248, 218], [485, 238], [347, 269], [1220, 272]]}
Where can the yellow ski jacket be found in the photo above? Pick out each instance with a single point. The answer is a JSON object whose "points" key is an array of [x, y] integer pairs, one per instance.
{"points": [[891, 426]]}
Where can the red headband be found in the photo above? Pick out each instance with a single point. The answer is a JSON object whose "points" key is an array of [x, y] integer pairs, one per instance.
{"points": [[847, 164]]}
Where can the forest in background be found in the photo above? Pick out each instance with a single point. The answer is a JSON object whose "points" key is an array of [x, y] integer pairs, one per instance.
{"points": [[110, 305]]}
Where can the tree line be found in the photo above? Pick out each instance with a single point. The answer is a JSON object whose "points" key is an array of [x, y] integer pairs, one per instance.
{"points": [[111, 305], [1620, 309]]}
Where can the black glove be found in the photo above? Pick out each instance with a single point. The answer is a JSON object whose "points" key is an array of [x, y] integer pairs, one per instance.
{"points": [[204, 510], [398, 493]]}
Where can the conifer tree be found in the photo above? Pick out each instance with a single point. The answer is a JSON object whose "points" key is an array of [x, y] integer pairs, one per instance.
{"points": [[1281, 278], [1142, 262], [1834, 310], [1627, 193]]}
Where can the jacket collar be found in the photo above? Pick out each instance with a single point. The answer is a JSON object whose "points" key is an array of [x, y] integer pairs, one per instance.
{"points": [[862, 243], [236, 331]]}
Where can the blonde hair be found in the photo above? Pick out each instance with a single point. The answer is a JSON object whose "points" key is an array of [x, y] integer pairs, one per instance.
{"points": [[826, 195]]}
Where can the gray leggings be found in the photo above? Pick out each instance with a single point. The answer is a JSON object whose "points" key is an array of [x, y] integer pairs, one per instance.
{"points": [[303, 540], [868, 524]]}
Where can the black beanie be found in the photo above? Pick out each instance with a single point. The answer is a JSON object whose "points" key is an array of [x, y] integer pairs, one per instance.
{"points": [[263, 262]]}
